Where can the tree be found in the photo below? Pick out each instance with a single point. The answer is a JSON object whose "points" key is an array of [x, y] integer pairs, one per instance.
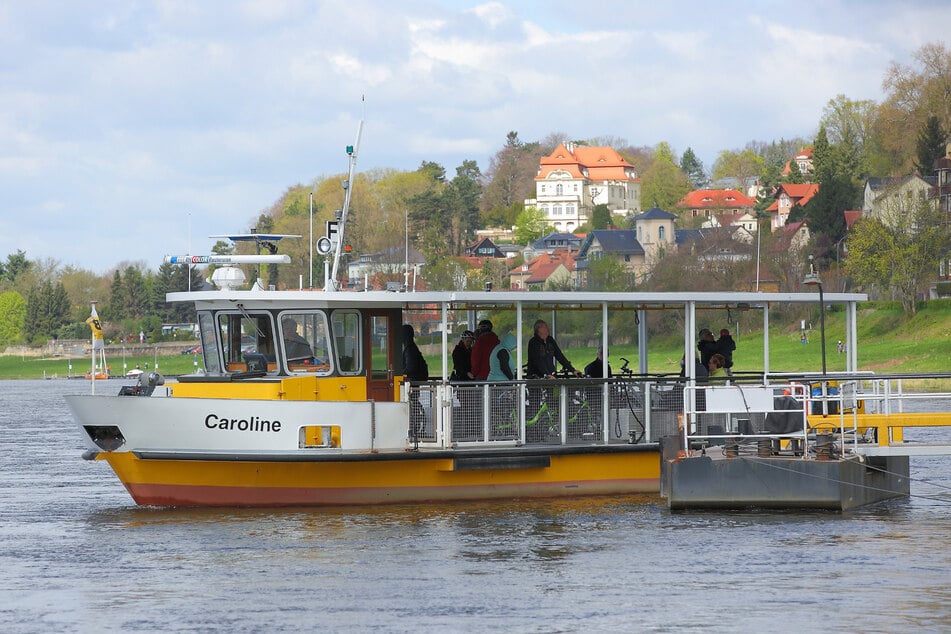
{"points": [[912, 95], [12, 316], [135, 298], [16, 264], [445, 274], [930, 146], [530, 225], [849, 126], [822, 163], [609, 274], [742, 166], [115, 309], [47, 309], [600, 217], [826, 213], [693, 168], [899, 253], [663, 184], [510, 178], [795, 174], [462, 198]]}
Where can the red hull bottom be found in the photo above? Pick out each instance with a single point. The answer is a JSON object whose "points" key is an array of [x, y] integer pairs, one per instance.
{"points": [[186, 495]]}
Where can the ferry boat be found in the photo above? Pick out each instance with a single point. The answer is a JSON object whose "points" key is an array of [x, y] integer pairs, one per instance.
{"points": [[304, 401], [268, 425]]}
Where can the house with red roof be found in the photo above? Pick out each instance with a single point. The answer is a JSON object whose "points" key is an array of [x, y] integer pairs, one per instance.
{"points": [[573, 179], [788, 196], [803, 159], [702, 205], [545, 271]]}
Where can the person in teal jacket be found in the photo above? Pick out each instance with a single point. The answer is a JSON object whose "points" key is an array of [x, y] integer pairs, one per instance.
{"points": [[501, 367]]}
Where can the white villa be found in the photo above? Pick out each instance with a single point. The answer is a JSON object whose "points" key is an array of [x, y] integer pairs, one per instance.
{"points": [[573, 179]]}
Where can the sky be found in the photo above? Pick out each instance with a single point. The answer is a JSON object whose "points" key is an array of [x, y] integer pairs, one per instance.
{"points": [[130, 130]]}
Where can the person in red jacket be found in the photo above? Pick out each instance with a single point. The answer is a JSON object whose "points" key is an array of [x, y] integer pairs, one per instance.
{"points": [[485, 342]]}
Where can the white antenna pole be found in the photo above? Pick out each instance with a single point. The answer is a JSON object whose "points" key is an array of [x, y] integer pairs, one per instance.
{"points": [[311, 240], [189, 272], [332, 285]]}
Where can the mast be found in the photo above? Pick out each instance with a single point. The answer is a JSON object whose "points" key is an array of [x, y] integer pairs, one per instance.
{"points": [[352, 150]]}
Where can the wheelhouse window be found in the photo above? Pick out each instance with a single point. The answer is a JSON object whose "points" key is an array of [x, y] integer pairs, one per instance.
{"points": [[345, 326], [305, 342], [209, 343], [247, 341]]}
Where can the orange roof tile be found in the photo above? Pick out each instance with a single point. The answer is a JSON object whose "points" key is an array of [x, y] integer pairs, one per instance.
{"points": [[716, 198], [602, 163]]}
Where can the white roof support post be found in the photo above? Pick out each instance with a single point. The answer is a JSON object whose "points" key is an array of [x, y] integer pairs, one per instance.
{"points": [[641, 340]]}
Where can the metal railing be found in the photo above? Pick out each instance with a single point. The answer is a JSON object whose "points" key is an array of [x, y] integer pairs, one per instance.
{"points": [[537, 412], [792, 416]]}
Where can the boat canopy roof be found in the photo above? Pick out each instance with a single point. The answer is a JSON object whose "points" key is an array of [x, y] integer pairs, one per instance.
{"points": [[520, 301], [501, 299]]}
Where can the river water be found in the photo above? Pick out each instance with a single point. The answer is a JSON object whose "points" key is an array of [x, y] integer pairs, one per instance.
{"points": [[77, 555]]}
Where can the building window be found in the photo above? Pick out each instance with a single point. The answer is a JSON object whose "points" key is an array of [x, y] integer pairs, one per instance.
{"points": [[660, 234], [556, 210], [570, 210]]}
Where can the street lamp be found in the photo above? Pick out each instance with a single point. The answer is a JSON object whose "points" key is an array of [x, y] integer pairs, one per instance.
{"points": [[812, 279]]}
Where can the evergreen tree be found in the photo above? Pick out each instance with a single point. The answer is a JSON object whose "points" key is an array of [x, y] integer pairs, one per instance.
{"points": [[116, 309], [47, 309], [693, 168], [135, 295], [826, 216], [16, 264], [930, 146], [822, 163], [463, 197]]}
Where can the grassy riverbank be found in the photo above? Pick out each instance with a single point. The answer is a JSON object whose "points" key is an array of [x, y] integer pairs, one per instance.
{"points": [[889, 342]]}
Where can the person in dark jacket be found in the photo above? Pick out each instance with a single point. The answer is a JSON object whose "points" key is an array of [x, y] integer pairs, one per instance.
{"points": [[462, 357], [707, 346], [726, 346], [595, 369], [543, 351], [415, 369], [469, 418]]}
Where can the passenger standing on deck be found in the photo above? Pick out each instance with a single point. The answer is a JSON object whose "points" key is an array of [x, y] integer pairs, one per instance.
{"points": [[415, 369], [726, 346], [485, 342], [543, 351], [707, 346], [501, 367], [462, 358]]}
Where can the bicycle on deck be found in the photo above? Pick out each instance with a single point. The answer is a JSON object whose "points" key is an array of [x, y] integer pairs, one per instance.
{"points": [[627, 395]]}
